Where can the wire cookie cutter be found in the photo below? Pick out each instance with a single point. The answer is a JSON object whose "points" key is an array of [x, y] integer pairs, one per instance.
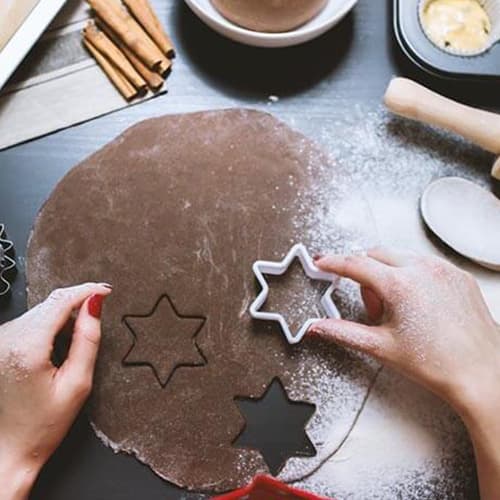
{"points": [[262, 267], [6, 262]]}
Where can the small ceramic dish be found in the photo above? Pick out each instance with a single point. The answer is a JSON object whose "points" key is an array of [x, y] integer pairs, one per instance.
{"points": [[466, 217], [332, 14]]}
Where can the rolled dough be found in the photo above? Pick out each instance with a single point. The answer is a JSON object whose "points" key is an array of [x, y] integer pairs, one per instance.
{"points": [[181, 206], [269, 15]]}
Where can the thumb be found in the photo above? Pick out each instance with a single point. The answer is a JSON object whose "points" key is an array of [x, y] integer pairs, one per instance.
{"points": [[78, 369], [367, 339]]}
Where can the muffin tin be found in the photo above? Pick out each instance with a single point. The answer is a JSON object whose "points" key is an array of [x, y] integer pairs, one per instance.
{"points": [[427, 56]]}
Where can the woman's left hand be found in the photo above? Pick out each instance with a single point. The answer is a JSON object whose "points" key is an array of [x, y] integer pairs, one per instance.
{"points": [[38, 401]]}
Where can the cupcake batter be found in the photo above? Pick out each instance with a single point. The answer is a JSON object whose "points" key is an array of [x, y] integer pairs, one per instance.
{"points": [[459, 25]]}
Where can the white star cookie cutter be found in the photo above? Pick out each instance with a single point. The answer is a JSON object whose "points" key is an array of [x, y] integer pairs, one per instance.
{"points": [[262, 267]]}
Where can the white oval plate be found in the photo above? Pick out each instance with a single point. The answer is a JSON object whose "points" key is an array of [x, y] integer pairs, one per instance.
{"points": [[332, 14], [466, 217]]}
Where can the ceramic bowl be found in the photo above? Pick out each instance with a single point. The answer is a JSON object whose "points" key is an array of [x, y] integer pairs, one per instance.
{"points": [[332, 14]]}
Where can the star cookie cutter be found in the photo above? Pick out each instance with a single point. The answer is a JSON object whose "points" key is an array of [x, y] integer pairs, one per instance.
{"points": [[6, 262], [262, 267]]}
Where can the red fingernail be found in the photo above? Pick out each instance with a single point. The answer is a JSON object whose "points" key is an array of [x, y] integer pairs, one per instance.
{"points": [[95, 305], [312, 332], [317, 256]]}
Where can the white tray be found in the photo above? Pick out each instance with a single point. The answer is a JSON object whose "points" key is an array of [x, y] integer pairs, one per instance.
{"points": [[25, 37]]}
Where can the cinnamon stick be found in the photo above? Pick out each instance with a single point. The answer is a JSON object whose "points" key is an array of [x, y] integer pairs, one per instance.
{"points": [[164, 66], [121, 83], [145, 15], [128, 30], [109, 50], [154, 80]]}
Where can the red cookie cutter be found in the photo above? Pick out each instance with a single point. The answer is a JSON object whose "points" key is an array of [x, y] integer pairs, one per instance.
{"points": [[268, 488]]}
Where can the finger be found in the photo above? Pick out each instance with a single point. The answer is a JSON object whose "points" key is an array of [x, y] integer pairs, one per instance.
{"points": [[366, 339], [364, 270], [53, 313], [77, 371], [393, 256], [374, 305]]}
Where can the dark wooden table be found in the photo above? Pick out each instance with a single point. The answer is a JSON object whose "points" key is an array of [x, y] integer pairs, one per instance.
{"points": [[353, 63]]}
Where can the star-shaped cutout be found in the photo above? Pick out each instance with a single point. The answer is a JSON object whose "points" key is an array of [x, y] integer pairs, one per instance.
{"points": [[165, 340], [275, 426]]}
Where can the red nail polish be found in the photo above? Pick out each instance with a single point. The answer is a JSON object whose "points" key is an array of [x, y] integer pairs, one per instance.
{"points": [[317, 256], [95, 305], [312, 332]]}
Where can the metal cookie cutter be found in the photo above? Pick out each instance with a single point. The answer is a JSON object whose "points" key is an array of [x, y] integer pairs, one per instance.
{"points": [[262, 267], [6, 262]]}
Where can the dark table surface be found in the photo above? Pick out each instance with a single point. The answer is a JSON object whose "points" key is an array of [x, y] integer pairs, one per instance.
{"points": [[353, 63]]}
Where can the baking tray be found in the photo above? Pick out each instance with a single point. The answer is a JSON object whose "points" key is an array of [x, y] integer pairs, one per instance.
{"points": [[427, 56], [26, 35]]}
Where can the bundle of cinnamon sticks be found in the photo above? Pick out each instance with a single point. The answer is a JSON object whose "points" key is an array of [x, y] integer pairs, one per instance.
{"points": [[128, 42]]}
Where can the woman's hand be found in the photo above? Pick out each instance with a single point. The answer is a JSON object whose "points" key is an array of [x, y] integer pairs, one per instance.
{"points": [[431, 323], [39, 402]]}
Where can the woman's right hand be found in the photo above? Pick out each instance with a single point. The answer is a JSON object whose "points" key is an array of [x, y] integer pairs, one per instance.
{"points": [[431, 323]]}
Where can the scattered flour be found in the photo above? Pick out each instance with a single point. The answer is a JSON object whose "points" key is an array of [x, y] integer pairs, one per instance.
{"points": [[405, 443]]}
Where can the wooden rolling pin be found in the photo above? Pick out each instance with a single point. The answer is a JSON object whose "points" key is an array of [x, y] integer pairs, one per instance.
{"points": [[411, 100]]}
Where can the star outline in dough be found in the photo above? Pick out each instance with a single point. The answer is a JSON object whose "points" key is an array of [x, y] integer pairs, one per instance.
{"points": [[163, 381]]}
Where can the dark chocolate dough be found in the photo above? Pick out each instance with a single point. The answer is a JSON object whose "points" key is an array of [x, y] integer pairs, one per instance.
{"points": [[181, 206], [269, 15]]}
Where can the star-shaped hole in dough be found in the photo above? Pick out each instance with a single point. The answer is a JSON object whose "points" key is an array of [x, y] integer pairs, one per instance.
{"points": [[275, 426], [164, 340]]}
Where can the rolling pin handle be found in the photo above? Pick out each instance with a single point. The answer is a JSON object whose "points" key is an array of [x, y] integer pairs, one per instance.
{"points": [[409, 99], [495, 171]]}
